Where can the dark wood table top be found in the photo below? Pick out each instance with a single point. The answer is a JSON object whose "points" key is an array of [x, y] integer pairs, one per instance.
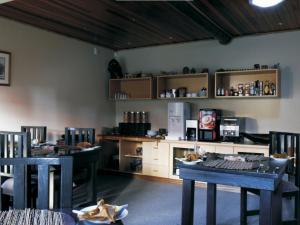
{"points": [[267, 177]]}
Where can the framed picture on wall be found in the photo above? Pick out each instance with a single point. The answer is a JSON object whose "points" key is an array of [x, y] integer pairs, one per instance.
{"points": [[4, 68]]}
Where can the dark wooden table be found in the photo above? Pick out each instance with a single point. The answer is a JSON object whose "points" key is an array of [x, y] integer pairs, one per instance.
{"points": [[267, 181]]}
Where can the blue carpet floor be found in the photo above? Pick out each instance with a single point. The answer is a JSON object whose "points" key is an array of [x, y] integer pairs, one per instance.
{"points": [[155, 203]]}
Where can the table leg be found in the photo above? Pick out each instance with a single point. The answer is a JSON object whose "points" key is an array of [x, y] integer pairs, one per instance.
{"points": [[270, 207], [92, 183], [243, 210], [187, 211], [211, 204]]}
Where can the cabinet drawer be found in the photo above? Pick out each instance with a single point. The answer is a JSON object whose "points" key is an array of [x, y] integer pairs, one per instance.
{"points": [[256, 150], [224, 149], [207, 148], [157, 154], [155, 170]]}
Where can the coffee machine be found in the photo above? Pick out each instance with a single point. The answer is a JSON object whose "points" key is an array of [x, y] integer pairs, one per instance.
{"points": [[191, 130], [231, 128], [209, 124], [178, 113]]}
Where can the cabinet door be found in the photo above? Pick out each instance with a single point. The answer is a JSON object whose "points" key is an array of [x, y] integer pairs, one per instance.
{"points": [[147, 151], [264, 150], [224, 149]]}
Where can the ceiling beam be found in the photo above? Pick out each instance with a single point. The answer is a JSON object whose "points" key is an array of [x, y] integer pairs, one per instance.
{"points": [[197, 15]]}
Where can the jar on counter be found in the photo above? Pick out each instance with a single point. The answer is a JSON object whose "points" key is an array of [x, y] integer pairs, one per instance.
{"points": [[126, 117], [144, 117], [138, 117], [132, 117]]}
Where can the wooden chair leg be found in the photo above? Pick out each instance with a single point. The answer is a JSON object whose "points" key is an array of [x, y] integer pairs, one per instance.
{"points": [[243, 208]]}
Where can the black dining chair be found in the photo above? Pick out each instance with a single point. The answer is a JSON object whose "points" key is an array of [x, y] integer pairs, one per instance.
{"points": [[12, 145], [36, 132], [76, 135], [288, 143], [21, 180]]}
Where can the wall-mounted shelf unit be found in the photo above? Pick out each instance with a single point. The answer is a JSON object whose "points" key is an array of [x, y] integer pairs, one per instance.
{"points": [[192, 82], [228, 79], [131, 89]]}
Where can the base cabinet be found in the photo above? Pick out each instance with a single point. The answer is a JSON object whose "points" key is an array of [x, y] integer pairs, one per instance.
{"points": [[156, 159]]}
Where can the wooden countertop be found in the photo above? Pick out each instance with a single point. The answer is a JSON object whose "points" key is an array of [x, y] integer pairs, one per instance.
{"points": [[101, 137]]}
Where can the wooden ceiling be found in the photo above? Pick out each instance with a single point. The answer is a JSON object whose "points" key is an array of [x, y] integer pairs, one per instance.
{"points": [[130, 24]]}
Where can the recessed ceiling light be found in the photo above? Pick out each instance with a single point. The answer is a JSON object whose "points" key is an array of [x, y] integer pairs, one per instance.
{"points": [[265, 3]]}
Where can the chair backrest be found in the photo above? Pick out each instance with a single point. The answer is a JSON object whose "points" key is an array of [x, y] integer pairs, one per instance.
{"points": [[289, 143], [13, 145], [36, 132], [21, 170], [83, 134]]}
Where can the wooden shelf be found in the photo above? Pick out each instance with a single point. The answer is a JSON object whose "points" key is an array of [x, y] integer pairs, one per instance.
{"points": [[228, 79], [133, 88], [192, 82]]}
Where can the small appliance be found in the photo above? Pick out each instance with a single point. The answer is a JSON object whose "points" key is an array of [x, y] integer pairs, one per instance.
{"points": [[191, 130], [231, 128], [178, 113], [209, 120]]}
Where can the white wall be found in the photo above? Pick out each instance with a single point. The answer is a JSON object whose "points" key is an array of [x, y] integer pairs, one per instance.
{"points": [[263, 114], [55, 81]]}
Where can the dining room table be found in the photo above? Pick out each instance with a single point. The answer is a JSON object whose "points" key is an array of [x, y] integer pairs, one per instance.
{"points": [[264, 175]]}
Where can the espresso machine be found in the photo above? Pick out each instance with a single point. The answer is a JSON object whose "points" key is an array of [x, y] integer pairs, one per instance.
{"points": [[209, 124], [191, 130], [178, 113], [231, 128]]}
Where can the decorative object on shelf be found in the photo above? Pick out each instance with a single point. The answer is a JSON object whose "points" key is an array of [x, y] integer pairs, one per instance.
{"points": [[205, 70], [185, 70], [5, 68], [276, 66], [173, 93], [264, 67], [115, 69], [202, 92], [193, 70], [256, 66], [120, 96], [182, 92], [139, 151]]}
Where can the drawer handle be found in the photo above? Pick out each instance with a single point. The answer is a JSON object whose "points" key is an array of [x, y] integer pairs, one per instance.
{"points": [[155, 170], [155, 159]]}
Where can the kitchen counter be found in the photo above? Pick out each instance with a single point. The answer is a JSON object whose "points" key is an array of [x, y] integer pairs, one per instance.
{"points": [[101, 137]]}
